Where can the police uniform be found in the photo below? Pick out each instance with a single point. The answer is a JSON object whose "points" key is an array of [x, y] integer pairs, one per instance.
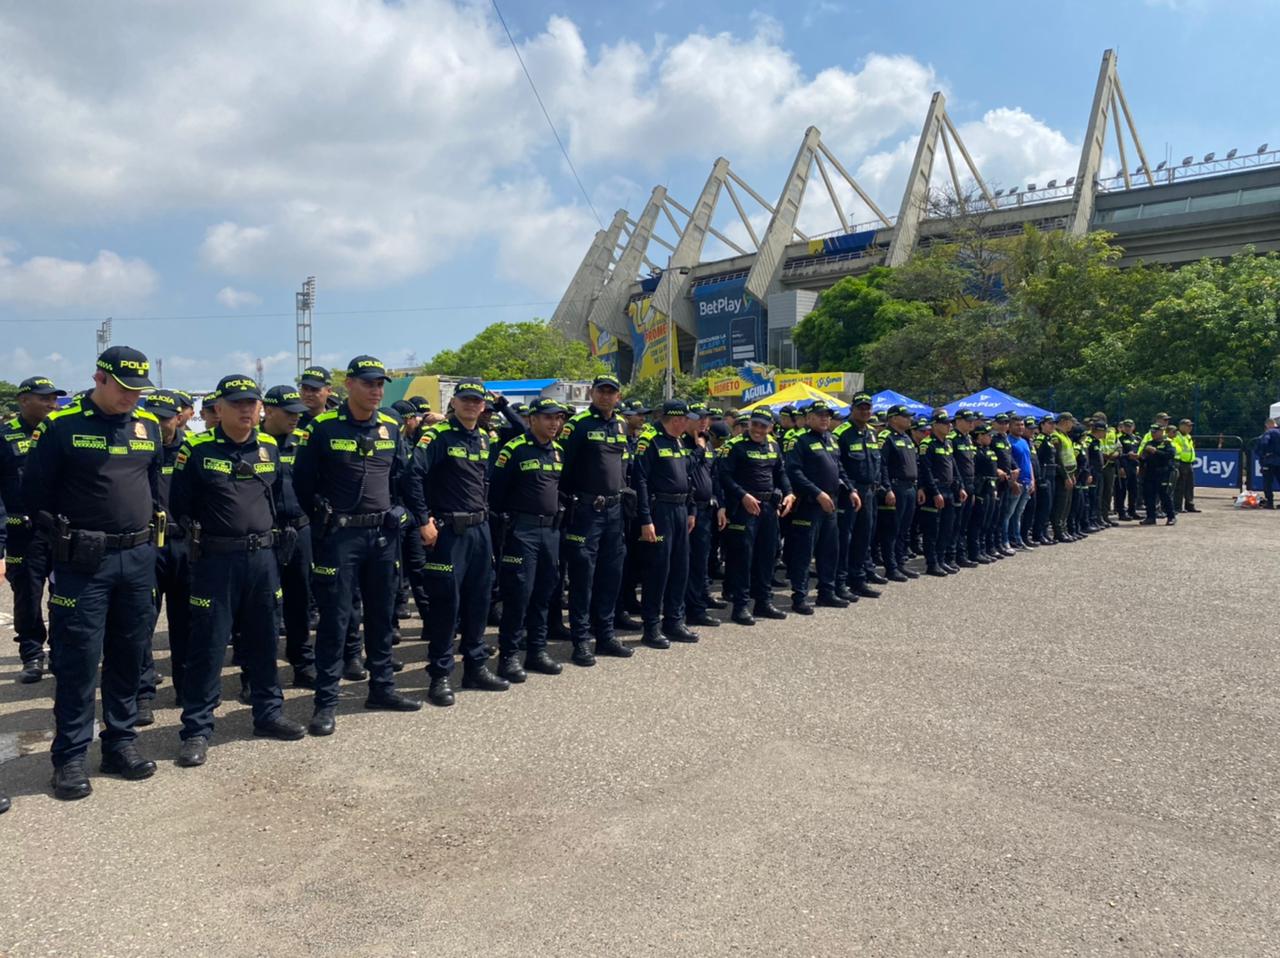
{"points": [[664, 500], [938, 479], [1158, 457], [232, 497], [1062, 494], [345, 476], [701, 460], [860, 456], [1047, 469], [813, 466], [93, 483], [1127, 473], [295, 572], [449, 484], [26, 554], [525, 488], [964, 452], [595, 462], [898, 453], [1004, 487], [756, 469], [986, 462]]}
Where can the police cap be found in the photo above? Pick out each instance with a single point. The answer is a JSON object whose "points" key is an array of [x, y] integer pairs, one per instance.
{"points": [[606, 381], [420, 404], [862, 399], [1001, 417], [634, 407], [1047, 417], [316, 376], [921, 422], [1029, 421], [719, 429], [163, 403], [762, 415], [39, 386], [676, 407], [1163, 415], [1095, 426], [981, 429], [698, 410], [185, 399], [127, 366], [285, 398], [469, 389], [367, 367], [545, 406], [941, 416], [787, 410], [1186, 422], [235, 387], [404, 409], [898, 410], [1066, 417], [968, 415], [820, 407]]}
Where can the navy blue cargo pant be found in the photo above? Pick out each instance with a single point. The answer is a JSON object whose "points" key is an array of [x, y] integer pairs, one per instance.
{"points": [[937, 525], [229, 590], [27, 568], [699, 588], [596, 553], [101, 617], [528, 574], [458, 577], [347, 559], [173, 593], [295, 606], [895, 526], [666, 567], [750, 551], [959, 544], [813, 534]]}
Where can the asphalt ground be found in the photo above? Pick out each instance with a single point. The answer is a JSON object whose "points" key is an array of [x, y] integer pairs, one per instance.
{"points": [[1070, 752]]}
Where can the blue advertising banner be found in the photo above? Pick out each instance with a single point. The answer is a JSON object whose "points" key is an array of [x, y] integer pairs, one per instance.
{"points": [[1218, 468], [730, 326]]}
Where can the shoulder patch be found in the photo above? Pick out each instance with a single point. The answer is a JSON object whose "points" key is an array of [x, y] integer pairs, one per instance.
{"points": [[383, 417], [266, 437], [74, 409], [326, 416], [140, 413]]}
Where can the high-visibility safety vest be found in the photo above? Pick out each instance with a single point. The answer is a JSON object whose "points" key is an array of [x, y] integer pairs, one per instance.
{"points": [[1066, 451], [1110, 442], [1184, 448]]}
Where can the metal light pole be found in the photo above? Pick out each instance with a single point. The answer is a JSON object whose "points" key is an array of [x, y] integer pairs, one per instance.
{"points": [[103, 337], [305, 301]]}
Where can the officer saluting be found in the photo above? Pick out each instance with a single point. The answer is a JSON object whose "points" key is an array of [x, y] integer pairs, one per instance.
{"points": [[348, 465], [230, 494], [26, 554], [447, 494], [93, 484], [526, 489]]}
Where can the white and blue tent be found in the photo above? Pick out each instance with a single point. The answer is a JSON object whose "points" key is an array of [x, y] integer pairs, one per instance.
{"points": [[887, 397], [989, 402]]}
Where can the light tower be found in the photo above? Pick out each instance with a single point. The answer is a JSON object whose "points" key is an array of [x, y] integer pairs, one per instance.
{"points": [[103, 337], [305, 300]]}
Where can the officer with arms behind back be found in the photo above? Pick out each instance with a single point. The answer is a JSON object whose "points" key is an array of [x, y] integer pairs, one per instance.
{"points": [[26, 554], [93, 484], [230, 495], [348, 466], [526, 489]]}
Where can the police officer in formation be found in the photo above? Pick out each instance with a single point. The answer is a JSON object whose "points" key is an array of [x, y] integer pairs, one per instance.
{"points": [[898, 504], [941, 491], [347, 474], [860, 457]]}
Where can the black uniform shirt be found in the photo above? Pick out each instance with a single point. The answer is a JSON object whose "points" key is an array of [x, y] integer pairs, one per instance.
{"points": [[813, 465], [355, 465], [899, 454], [526, 477], [449, 472], [662, 468], [964, 449], [700, 462], [102, 472], [938, 476], [595, 454], [231, 489], [753, 468], [1046, 457], [168, 465], [1004, 452], [860, 454], [1157, 460], [985, 463], [13, 459]]}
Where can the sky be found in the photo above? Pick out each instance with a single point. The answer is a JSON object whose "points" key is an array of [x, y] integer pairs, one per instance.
{"points": [[182, 168]]}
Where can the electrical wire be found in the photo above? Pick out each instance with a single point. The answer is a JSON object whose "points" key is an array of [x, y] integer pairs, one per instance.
{"points": [[538, 96]]}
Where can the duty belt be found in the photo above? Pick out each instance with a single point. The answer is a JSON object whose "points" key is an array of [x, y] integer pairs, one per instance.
{"points": [[124, 540], [358, 520], [466, 519], [211, 545], [301, 522], [670, 497], [598, 502], [533, 519]]}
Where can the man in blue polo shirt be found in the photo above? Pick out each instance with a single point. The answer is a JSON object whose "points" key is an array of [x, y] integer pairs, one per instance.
{"points": [[1022, 462]]}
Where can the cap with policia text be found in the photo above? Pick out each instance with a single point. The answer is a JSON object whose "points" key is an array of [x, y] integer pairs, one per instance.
{"points": [[676, 407], [941, 416], [39, 386], [315, 376], [634, 407], [163, 403], [762, 415], [235, 387], [546, 406], [420, 404], [921, 422], [367, 367], [607, 380], [403, 408], [127, 366], [820, 407], [968, 415], [896, 411], [698, 410], [284, 398], [862, 399], [185, 399], [469, 389]]}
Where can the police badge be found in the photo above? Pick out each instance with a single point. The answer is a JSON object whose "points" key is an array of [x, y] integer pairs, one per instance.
{"points": [[383, 433], [139, 430], [263, 455]]}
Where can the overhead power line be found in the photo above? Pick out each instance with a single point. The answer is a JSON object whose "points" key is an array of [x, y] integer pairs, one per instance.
{"points": [[222, 317], [538, 96]]}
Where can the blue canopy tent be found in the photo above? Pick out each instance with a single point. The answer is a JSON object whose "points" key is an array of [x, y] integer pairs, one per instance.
{"points": [[989, 402], [887, 397]]}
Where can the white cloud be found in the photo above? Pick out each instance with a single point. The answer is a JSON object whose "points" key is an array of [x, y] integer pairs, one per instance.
{"points": [[108, 281], [233, 298]]}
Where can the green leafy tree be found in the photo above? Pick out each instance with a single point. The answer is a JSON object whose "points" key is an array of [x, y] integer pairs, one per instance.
{"points": [[851, 315], [652, 391], [8, 398], [528, 350]]}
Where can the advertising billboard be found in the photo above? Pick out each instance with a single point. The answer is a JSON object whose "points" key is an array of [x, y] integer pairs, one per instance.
{"points": [[730, 325]]}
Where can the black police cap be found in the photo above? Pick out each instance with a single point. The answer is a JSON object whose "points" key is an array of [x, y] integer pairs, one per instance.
{"points": [[127, 366], [39, 386], [546, 406], [237, 386], [367, 367], [163, 403], [316, 376], [284, 398]]}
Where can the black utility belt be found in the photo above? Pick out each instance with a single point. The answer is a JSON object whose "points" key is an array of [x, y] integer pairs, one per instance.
{"points": [[706, 504], [215, 545], [904, 482], [670, 497], [535, 520], [301, 522], [357, 520], [460, 521], [113, 540], [598, 503]]}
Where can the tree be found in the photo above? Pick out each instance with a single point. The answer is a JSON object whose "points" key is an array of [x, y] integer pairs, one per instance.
{"points": [[851, 315], [651, 391], [8, 398], [528, 350]]}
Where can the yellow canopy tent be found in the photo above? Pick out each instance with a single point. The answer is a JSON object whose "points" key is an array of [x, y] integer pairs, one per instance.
{"points": [[797, 394]]}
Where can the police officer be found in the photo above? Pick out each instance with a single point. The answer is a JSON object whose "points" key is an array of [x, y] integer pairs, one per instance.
{"points": [[819, 481], [701, 460], [172, 569], [1184, 493], [860, 456], [1047, 466], [595, 463], [231, 496], [93, 483], [348, 466], [940, 493], [1008, 488], [986, 467], [757, 491], [1158, 456], [666, 517], [897, 509], [964, 450], [315, 387], [1064, 481], [525, 488], [447, 493], [1127, 443], [26, 554], [282, 410]]}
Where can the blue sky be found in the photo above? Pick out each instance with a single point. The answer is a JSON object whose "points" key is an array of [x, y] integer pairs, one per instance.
{"points": [[166, 160]]}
